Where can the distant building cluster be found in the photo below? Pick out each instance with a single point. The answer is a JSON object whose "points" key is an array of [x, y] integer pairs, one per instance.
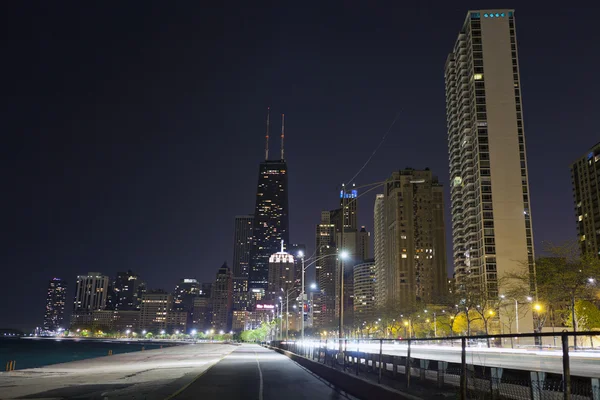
{"points": [[491, 224]]}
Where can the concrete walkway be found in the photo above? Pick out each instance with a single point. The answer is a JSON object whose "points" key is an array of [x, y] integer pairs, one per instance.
{"points": [[148, 375]]}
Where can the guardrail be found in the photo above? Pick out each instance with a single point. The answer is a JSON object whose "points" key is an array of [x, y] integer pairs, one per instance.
{"points": [[510, 366]]}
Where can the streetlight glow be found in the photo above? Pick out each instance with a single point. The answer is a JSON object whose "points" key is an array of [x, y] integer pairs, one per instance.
{"points": [[143, 332], [128, 331], [344, 255], [194, 332], [313, 286], [300, 253]]}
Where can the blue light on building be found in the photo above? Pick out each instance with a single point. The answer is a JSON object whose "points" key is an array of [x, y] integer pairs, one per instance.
{"points": [[351, 195]]}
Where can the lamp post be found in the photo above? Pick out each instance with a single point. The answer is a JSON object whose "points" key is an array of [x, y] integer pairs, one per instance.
{"points": [[302, 297], [313, 260], [280, 318]]}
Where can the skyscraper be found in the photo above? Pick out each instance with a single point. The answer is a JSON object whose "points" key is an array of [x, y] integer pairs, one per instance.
{"points": [[222, 299], [585, 176], [490, 205], [185, 292], [153, 311], [242, 242], [324, 301], [281, 273], [91, 294], [415, 264], [380, 252], [364, 290], [125, 291], [270, 216], [55, 305]]}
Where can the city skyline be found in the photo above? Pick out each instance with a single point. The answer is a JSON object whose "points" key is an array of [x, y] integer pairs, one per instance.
{"points": [[109, 213]]}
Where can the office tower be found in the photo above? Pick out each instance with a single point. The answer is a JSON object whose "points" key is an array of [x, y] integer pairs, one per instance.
{"points": [[349, 205], [155, 306], [324, 307], [185, 292], [364, 291], [270, 216], [240, 293], [415, 265], [490, 205], [242, 243], [125, 291], [202, 313], [206, 289], [295, 250], [91, 293], [380, 252], [356, 244], [585, 175], [222, 299], [55, 305], [281, 273]]}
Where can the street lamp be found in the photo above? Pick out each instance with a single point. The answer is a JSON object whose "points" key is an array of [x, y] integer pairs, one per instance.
{"points": [[143, 332], [313, 260], [343, 256], [193, 332]]}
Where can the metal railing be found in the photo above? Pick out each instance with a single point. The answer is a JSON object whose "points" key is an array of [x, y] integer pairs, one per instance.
{"points": [[537, 366]]}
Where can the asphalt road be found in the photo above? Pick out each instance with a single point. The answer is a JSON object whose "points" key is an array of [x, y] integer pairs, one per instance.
{"points": [[253, 372]]}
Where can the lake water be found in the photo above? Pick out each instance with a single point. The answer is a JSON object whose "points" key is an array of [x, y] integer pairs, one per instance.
{"points": [[31, 353]]}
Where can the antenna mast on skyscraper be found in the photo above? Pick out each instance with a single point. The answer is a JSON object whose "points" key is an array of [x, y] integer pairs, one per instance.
{"points": [[282, 133], [267, 137]]}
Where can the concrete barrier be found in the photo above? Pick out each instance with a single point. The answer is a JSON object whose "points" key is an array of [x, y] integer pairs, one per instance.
{"points": [[352, 384]]}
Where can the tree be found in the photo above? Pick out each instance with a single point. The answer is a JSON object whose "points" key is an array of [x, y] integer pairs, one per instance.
{"points": [[567, 276], [587, 316]]}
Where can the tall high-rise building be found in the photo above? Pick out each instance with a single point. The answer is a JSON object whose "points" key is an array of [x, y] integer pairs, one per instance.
{"points": [[222, 299], [364, 290], [324, 300], [281, 273], [91, 293], [349, 208], [490, 204], [55, 305], [270, 216], [380, 252], [585, 176], [155, 306], [241, 296], [356, 244], [185, 292], [125, 291], [415, 264], [295, 250], [242, 243]]}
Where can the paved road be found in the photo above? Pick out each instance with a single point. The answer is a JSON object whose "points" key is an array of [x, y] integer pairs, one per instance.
{"points": [[143, 375], [253, 372]]}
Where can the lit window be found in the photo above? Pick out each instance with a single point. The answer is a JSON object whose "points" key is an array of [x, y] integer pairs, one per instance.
{"points": [[478, 77], [581, 217], [403, 237], [404, 256]]}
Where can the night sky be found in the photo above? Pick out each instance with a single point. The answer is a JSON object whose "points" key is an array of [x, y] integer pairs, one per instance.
{"points": [[132, 133]]}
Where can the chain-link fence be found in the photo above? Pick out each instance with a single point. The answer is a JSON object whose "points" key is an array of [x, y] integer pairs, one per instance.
{"points": [[525, 366]]}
